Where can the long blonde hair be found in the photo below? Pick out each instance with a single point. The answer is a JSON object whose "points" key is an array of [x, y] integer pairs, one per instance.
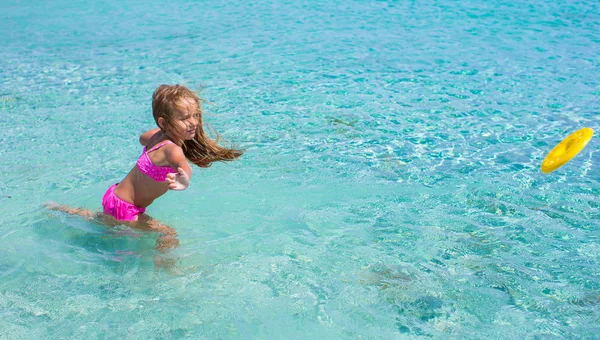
{"points": [[202, 150]]}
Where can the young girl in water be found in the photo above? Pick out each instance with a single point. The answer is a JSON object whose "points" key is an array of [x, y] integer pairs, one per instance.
{"points": [[163, 164]]}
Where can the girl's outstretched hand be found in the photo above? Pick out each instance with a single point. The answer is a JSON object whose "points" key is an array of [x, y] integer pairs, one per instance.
{"points": [[179, 180]]}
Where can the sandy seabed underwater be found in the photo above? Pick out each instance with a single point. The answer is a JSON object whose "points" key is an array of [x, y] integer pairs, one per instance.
{"points": [[390, 188]]}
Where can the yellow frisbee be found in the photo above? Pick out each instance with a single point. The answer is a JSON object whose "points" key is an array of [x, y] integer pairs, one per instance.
{"points": [[567, 149]]}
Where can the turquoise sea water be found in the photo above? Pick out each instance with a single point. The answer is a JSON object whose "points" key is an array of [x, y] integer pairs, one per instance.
{"points": [[390, 187]]}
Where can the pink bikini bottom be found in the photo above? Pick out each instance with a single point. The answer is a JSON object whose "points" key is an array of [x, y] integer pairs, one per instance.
{"points": [[119, 209]]}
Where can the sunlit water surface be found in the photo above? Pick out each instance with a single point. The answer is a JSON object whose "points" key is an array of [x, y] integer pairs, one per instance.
{"points": [[390, 186]]}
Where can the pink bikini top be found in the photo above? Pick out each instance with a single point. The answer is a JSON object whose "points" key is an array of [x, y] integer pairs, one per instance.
{"points": [[157, 173]]}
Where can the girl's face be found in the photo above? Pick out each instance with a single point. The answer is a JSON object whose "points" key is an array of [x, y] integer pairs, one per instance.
{"points": [[186, 119]]}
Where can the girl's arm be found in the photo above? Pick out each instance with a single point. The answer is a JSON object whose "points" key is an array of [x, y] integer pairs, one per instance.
{"points": [[177, 160], [145, 137]]}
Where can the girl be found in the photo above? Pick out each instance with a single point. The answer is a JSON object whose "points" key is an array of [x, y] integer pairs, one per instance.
{"points": [[163, 164]]}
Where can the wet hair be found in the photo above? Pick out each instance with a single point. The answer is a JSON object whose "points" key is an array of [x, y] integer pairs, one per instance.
{"points": [[202, 150]]}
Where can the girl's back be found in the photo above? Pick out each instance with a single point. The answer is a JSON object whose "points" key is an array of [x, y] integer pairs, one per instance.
{"points": [[146, 180]]}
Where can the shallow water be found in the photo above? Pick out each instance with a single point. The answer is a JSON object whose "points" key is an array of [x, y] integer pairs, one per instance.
{"points": [[390, 187]]}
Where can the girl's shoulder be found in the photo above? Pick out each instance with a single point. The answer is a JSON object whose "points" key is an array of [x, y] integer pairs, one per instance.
{"points": [[163, 145], [150, 135]]}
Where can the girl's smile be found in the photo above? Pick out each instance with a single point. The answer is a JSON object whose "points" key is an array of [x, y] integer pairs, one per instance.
{"points": [[187, 119]]}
